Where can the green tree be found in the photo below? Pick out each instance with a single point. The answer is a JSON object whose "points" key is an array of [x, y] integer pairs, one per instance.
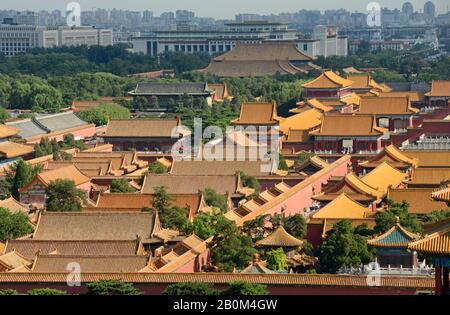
{"points": [[121, 186], [204, 225], [100, 115], [282, 165], [4, 115], [13, 225], [255, 228], [302, 158], [229, 248], [250, 181], [386, 219], [70, 142], [190, 288], [214, 199], [63, 195], [112, 287], [436, 216], [342, 247], [9, 292], [20, 175], [245, 288], [295, 225], [172, 217], [276, 259], [46, 291], [157, 168]]}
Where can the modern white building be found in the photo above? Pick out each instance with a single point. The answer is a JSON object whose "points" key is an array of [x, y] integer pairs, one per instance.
{"points": [[212, 42], [249, 32], [16, 39]]}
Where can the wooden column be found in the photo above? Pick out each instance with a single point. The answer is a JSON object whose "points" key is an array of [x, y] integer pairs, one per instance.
{"points": [[438, 280], [445, 288]]}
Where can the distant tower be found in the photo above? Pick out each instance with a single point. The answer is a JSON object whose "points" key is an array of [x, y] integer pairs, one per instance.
{"points": [[429, 9], [407, 8]]}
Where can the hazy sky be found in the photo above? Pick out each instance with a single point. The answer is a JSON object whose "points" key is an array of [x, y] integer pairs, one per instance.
{"points": [[217, 8]]}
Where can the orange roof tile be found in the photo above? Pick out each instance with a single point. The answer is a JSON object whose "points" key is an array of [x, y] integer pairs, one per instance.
{"points": [[442, 194], [383, 177], [429, 176], [386, 106], [347, 125], [434, 158], [304, 280], [436, 243], [280, 238], [328, 80], [311, 103], [14, 206], [439, 88], [12, 149], [343, 207], [257, 114], [70, 172], [393, 156], [304, 121], [419, 199], [414, 96], [141, 128], [8, 131]]}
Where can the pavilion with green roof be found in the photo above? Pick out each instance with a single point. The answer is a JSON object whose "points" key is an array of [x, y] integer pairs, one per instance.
{"points": [[392, 247]]}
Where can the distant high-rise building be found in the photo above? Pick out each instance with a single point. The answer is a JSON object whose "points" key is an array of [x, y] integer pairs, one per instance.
{"points": [[407, 8], [147, 16], [429, 9], [27, 18]]}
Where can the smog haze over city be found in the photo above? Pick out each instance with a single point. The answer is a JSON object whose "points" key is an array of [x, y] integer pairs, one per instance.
{"points": [[220, 9]]}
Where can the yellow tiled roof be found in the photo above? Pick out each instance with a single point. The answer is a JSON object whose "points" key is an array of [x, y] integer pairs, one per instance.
{"points": [[257, 113], [351, 99], [306, 280], [312, 103], [383, 177], [280, 238], [342, 207], [12, 149], [328, 80], [395, 153], [304, 121], [439, 88], [67, 172], [8, 131], [362, 187], [436, 243]]}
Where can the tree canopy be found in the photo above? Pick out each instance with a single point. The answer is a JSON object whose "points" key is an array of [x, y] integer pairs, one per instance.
{"points": [[386, 219], [100, 115], [13, 225], [112, 287], [63, 195], [245, 288], [121, 185], [276, 259], [190, 288], [229, 248], [172, 217], [343, 247]]}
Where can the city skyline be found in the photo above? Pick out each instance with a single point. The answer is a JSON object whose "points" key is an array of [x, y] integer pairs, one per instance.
{"points": [[221, 10]]}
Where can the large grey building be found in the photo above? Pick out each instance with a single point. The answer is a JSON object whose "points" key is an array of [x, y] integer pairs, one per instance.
{"points": [[324, 42], [16, 39]]}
